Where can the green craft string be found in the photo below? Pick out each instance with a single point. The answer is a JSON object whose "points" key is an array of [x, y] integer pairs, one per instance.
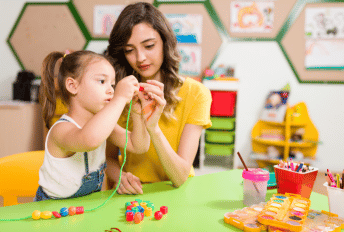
{"points": [[119, 181]]}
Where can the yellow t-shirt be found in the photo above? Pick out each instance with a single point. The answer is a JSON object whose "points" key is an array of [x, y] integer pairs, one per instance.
{"points": [[194, 108]]}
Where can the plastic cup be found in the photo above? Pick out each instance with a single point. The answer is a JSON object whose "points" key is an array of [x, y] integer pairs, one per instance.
{"points": [[335, 200], [255, 185]]}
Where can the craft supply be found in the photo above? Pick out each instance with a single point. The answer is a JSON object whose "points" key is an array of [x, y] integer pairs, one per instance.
{"points": [[158, 215], [254, 177], [56, 214], [242, 161], [163, 209], [286, 216], [300, 167]]}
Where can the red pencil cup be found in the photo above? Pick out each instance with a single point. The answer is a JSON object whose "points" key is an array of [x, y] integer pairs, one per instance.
{"points": [[295, 182]]}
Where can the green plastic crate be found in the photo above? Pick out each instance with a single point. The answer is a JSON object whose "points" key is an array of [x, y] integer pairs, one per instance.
{"points": [[219, 149], [219, 136], [222, 123]]}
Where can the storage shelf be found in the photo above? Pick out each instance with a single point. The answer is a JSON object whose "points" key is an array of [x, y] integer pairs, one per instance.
{"points": [[296, 117], [269, 141]]}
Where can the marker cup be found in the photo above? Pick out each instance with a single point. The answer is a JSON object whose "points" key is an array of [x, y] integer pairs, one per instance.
{"points": [[255, 185], [335, 200]]}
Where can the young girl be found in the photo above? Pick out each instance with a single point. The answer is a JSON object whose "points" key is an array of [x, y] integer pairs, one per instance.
{"points": [[74, 160]]}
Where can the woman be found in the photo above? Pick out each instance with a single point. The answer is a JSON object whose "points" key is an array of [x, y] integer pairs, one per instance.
{"points": [[143, 43]]}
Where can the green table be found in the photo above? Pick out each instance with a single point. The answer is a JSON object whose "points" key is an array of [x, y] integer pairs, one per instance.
{"points": [[198, 205]]}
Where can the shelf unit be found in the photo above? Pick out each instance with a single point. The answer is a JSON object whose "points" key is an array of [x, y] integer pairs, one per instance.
{"points": [[218, 140], [296, 117]]}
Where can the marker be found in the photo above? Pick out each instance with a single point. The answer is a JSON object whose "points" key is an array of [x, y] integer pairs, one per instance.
{"points": [[300, 166], [328, 179], [338, 180], [291, 165], [330, 175]]}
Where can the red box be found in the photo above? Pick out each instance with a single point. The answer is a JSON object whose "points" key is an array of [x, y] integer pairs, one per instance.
{"points": [[223, 103], [295, 182]]}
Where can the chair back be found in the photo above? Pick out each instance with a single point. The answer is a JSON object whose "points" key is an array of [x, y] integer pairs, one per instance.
{"points": [[19, 175]]}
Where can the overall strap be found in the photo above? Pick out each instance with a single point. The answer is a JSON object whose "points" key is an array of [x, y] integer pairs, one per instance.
{"points": [[86, 163]]}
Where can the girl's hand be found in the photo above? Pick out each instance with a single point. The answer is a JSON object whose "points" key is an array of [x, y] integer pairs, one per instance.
{"points": [[130, 184], [127, 88], [155, 91]]}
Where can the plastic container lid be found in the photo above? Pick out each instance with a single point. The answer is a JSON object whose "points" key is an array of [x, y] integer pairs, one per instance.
{"points": [[256, 174]]}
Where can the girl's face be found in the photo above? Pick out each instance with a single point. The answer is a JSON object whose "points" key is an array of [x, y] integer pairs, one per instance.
{"points": [[144, 51], [97, 86]]}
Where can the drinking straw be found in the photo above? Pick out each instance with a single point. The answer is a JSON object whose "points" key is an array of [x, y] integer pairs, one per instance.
{"points": [[242, 161]]}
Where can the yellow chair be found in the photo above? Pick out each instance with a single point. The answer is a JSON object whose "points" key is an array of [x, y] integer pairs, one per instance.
{"points": [[19, 175]]}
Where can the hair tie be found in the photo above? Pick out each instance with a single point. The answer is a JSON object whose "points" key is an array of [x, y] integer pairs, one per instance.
{"points": [[64, 55]]}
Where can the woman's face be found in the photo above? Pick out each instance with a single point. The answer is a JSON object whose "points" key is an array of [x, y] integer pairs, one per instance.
{"points": [[144, 51]]}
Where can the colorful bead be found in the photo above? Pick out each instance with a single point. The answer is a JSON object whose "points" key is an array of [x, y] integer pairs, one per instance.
{"points": [[46, 214], [137, 218], [71, 211], [130, 207], [64, 211], [36, 214], [163, 209], [141, 209], [132, 202], [151, 205], [79, 210], [138, 200], [56, 214], [135, 210], [127, 212], [127, 204], [135, 204], [143, 205], [129, 216], [142, 215], [158, 215], [148, 211]]}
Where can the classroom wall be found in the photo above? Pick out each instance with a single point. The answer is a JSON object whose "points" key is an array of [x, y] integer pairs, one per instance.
{"points": [[260, 66]]}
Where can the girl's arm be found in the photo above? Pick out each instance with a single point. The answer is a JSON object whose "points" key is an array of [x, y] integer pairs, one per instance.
{"points": [[72, 139], [138, 138]]}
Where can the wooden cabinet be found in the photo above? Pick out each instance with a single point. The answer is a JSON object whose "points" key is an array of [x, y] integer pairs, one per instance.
{"points": [[296, 117], [218, 140], [21, 126]]}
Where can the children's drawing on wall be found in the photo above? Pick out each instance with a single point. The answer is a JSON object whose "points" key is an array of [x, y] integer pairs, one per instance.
{"points": [[324, 32], [190, 60], [187, 27], [324, 54], [252, 17], [104, 17], [275, 106]]}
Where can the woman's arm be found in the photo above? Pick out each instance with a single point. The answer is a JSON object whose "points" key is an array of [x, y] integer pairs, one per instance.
{"points": [[177, 165], [130, 184]]}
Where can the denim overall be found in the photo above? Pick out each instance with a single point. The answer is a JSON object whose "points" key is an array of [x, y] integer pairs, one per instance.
{"points": [[91, 182]]}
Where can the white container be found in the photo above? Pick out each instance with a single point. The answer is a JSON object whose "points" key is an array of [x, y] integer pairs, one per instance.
{"points": [[255, 186], [335, 200]]}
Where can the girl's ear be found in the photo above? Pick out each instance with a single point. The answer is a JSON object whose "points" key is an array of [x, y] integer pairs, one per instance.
{"points": [[72, 85]]}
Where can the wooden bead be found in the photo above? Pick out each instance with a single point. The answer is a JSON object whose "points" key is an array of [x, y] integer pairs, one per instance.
{"points": [[163, 209], [137, 218], [36, 214], [158, 215], [46, 214], [79, 210], [56, 214], [71, 211]]}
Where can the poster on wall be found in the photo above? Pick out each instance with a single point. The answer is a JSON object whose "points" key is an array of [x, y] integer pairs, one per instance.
{"points": [[190, 64], [251, 16], [104, 17], [187, 27], [324, 33]]}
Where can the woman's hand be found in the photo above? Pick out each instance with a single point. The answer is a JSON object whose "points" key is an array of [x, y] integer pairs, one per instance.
{"points": [[152, 114], [130, 184]]}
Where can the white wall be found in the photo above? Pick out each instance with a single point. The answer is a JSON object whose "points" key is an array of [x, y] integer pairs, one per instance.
{"points": [[260, 66]]}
